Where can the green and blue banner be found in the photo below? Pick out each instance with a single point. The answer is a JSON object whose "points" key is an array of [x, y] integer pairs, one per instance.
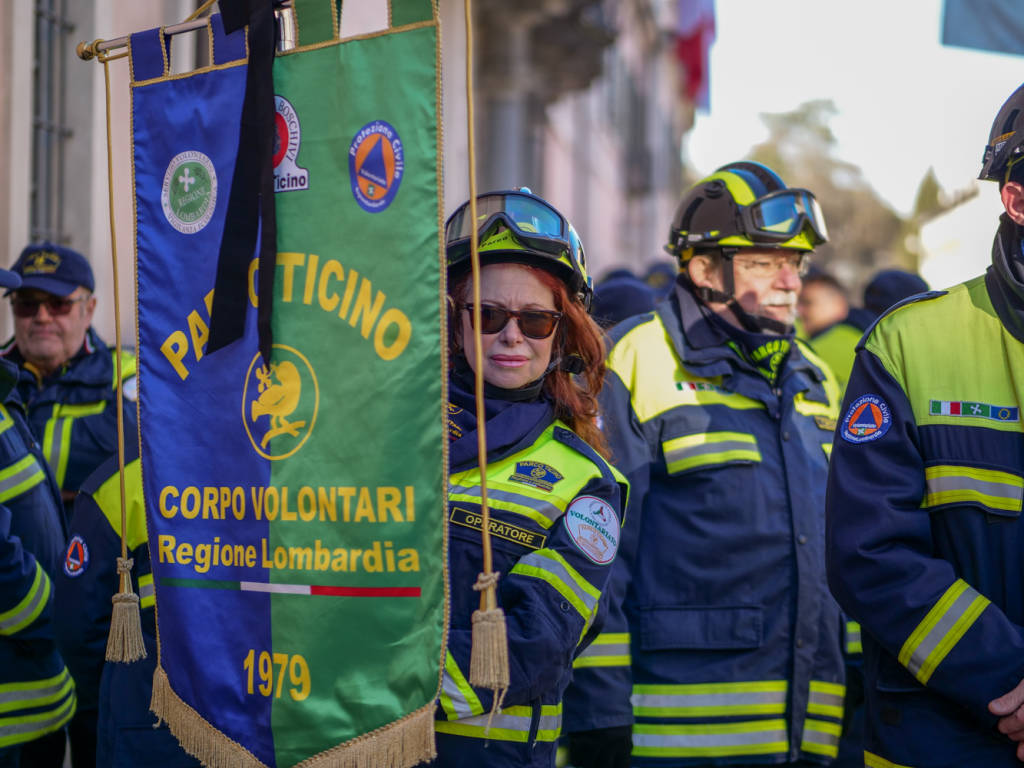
{"points": [[295, 509]]}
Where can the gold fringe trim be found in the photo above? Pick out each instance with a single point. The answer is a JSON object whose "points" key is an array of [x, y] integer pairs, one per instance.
{"points": [[401, 744], [124, 642], [196, 736]]}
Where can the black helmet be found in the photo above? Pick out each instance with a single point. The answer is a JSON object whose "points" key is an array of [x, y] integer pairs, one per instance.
{"points": [[1005, 140], [518, 226], [744, 205]]}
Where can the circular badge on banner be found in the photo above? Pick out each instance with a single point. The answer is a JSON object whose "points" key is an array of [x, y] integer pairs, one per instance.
{"points": [[76, 559], [280, 402], [376, 162], [288, 176], [868, 418], [189, 192], [594, 528]]}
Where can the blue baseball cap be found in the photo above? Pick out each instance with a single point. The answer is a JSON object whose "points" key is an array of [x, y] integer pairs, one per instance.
{"points": [[54, 269]]}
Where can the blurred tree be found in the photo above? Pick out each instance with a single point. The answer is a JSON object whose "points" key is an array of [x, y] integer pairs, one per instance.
{"points": [[865, 234]]}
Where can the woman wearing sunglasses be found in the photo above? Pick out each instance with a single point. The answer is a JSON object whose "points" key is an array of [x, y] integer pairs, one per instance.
{"points": [[555, 503]]}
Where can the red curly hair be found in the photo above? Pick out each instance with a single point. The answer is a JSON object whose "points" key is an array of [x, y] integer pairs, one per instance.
{"points": [[574, 396]]}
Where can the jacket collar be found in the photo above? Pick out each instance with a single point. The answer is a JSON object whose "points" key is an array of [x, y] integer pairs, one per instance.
{"points": [[705, 350], [1003, 279]]}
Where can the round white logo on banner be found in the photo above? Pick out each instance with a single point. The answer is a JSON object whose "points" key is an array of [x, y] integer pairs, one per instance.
{"points": [[594, 528], [189, 192]]}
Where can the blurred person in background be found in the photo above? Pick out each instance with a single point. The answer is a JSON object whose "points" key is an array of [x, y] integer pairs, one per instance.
{"points": [[924, 504], [830, 323], [722, 645], [619, 296], [889, 287], [661, 278]]}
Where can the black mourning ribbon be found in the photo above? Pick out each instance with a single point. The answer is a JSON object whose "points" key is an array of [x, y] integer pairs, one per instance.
{"points": [[251, 203]]}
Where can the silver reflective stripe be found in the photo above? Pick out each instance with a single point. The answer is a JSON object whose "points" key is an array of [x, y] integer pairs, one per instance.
{"points": [[459, 703], [8, 697], [40, 726], [546, 509], [678, 454], [8, 484], [816, 736], [826, 699], [710, 740], [520, 723], [146, 590], [942, 627], [965, 483], [41, 592], [611, 649], [708, 699], [558, 570]]}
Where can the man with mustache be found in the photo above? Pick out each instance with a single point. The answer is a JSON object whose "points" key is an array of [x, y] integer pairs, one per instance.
{"points": [[722, 645]]}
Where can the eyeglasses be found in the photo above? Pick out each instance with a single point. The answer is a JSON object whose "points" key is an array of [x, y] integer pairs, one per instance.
{"points": [[57, 306], [770, 266], [782, 215], [534, 323]]}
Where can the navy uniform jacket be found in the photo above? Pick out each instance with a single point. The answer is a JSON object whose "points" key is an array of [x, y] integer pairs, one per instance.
{"points": [[37, 692], [733, 639], [555, 513], [73, 412], [126, 736], [924, 506]]}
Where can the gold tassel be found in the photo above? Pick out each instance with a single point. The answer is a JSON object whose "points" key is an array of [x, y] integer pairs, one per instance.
{"points": [[488, 657], [124, 643]]}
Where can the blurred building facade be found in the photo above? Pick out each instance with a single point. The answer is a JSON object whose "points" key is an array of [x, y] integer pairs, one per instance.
{"points": [[581, 100]]}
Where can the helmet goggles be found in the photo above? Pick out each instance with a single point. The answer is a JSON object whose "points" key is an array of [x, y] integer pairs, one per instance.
{"points": [[782, 215], [533, 222]]}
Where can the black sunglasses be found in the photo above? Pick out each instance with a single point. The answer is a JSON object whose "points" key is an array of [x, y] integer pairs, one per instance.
{"points": [[55, 305], [534, 323]]}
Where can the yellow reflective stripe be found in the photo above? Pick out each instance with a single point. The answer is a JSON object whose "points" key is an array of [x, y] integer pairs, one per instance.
{"points": [[766, 697], [853, 641], [826, 699], [827, 448], [871, 760], [458, 699], [705, 448], [821, 737], [6, 420], [129, 365], [948, 484], [549, 566], [20, 477], [941, 629], [29, 607], [16, 730], [35, 693], [57, 434], [147, 592], [755, 737], [510, 724], [65, 410], [609, 649]]}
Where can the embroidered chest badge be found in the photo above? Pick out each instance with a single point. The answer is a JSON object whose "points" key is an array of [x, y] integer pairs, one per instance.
{"points": [[977, 410], [868, 418], [536, 474]]}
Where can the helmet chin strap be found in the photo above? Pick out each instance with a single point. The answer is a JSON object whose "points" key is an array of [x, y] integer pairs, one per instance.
{"points": [[750, 322]]}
